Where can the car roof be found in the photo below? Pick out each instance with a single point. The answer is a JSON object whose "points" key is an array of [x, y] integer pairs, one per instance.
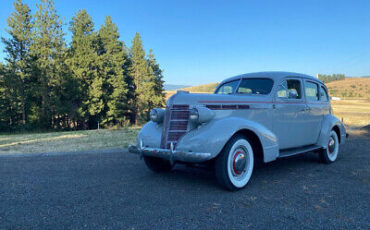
{"points": [[275, 75]]}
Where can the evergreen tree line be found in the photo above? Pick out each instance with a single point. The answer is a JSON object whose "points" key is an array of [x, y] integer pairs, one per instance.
{"points": [[47, 84], [328, 78]]}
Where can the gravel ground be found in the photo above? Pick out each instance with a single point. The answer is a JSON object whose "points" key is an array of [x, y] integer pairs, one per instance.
{"points": [[114, 190]]}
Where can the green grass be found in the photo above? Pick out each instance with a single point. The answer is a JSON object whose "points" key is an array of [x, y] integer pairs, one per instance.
{"points": [[67, 141]]}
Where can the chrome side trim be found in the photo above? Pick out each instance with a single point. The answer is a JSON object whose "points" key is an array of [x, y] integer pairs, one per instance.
{"points": [[170, 154]]}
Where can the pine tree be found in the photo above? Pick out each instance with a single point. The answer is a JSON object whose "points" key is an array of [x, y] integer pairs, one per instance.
{"points": [[159, 95], [112, 60], [144, 80], [18, 58], [5, 117], [48, 49], [82, 61]]}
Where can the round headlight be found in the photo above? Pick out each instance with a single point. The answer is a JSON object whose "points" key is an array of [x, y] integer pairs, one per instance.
{"points": [[201, 114], [153, 115], [156, 115], [194, 115]]}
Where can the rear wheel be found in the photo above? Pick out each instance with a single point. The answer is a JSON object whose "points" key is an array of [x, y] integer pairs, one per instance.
{"points": [[157, 164], [330, 154], [234, 165]]}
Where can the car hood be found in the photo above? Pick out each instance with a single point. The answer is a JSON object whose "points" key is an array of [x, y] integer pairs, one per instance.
{"points": [[192, 99]]}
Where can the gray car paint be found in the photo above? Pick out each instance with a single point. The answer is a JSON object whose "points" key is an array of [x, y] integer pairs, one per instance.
{"points": [[272, 121]]}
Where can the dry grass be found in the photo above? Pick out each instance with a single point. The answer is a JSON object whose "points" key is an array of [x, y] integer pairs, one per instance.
{"points": [[353, 112], [350, 88], [67, 141], [207, 88]]}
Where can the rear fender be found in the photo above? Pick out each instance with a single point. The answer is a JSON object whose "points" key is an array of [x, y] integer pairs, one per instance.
{"points": [[329, 122]]}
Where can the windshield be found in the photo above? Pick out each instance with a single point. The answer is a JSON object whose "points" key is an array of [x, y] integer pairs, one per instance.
{"points": [[228, 87], [259, 86]]}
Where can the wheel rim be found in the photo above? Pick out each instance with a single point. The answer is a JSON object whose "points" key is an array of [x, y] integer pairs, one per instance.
{"points": [[240, 163], [333, 147]]}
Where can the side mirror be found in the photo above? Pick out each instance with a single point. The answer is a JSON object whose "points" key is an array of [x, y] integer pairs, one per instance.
{"points": [[293, 94]]}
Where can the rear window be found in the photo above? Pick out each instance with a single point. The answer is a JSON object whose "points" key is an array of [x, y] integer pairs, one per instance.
{"points": [[261, 86], [323, 94]]}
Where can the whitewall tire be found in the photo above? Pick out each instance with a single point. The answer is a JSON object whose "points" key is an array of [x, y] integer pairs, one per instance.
{"points": [[330, 153], [234, 165]]}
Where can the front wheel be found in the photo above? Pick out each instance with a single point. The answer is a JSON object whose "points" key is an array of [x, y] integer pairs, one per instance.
{"points": [[330, 154], [157, 164], [234, 165]]}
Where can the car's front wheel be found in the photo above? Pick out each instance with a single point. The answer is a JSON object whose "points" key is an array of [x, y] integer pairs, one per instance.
{"points": [[234, 165], [157, 164], [330, 154]]}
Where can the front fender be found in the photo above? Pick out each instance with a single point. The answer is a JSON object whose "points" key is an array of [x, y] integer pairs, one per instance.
{"points": [[150, 134], [329, 122], [212, 137]]}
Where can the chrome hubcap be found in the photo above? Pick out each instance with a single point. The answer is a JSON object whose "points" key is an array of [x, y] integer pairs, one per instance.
{"points": [[239, 162], [331, 145]]}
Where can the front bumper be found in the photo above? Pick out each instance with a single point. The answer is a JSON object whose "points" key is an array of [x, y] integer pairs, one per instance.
{"points": [[170, 154]]}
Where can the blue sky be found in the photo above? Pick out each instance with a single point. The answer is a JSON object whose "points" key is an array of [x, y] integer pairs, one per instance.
{"points": [[199, 42]]}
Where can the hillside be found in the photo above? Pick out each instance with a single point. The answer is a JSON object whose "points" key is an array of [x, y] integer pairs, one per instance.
{"points": [[169, 87], [207, 88], [348, 88]]}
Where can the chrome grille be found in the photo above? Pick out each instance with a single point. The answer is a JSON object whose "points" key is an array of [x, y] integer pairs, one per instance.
{"points": [[179, 115], [176, 124]]}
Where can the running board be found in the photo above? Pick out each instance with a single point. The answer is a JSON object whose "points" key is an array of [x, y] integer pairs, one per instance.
{"points": [[296, 151]]}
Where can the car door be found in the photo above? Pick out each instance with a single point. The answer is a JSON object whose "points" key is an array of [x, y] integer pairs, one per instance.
{"points": [[290, 114], [314, 114], [324, 99]]}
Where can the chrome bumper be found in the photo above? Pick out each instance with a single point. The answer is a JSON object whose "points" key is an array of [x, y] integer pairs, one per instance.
{"points": [[171, 155]]}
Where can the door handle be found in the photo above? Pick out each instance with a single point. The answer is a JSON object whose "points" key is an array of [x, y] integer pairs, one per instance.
{"points": [[306, 109]]}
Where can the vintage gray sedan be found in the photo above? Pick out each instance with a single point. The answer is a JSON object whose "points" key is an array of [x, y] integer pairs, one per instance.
{"points": [[265, 115]]}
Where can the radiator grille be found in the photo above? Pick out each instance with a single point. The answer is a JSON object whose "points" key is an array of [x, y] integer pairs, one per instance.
{"points": [[176, 125]]}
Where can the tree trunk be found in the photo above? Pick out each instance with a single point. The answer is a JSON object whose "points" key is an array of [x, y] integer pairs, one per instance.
{"points": [[23, 107]]}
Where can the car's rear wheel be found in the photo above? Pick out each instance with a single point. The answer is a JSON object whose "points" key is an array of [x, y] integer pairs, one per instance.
{"points": [[330, 154], [234, 165], [157, 164]]}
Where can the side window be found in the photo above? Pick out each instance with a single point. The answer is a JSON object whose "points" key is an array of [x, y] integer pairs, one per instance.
{"points": [[228, 87], [312, 91], [323, 94], [290, 89], [255, 86]]}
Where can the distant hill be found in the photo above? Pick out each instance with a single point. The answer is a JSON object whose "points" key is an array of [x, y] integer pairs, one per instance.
{"points": [[168, 87], [347, 88], [207, 88], [350, 88]]}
